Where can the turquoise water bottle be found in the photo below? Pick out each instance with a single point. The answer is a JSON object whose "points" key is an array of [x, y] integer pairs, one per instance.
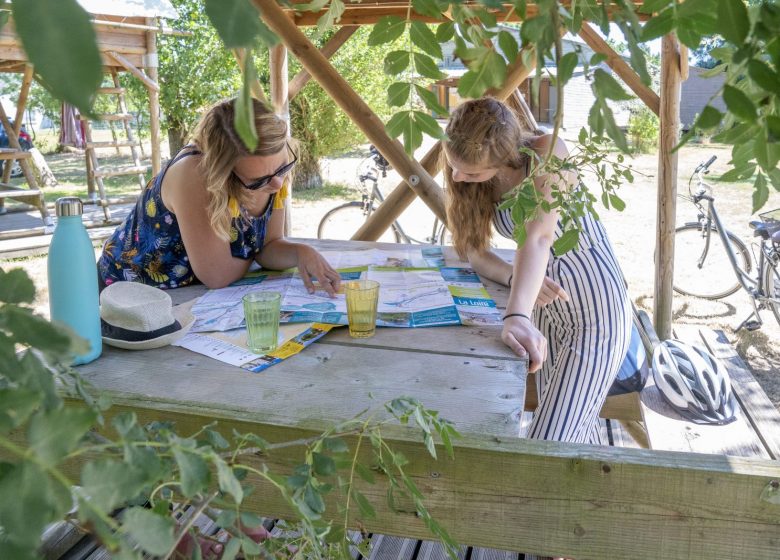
{"points": [[73, 286]]}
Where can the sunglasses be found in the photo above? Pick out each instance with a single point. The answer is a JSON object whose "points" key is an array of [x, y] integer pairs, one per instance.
{"points": [[260, 182]]}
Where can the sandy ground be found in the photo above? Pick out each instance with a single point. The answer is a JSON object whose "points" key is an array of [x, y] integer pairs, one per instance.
{"points": [[632, 233]]}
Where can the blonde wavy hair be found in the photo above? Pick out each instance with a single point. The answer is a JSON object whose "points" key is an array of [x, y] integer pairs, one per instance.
{"points": [[483, 132], [217, 139]]}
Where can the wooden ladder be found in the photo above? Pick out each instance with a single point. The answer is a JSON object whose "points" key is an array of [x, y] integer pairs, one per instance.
{"points": [[96, 173]]}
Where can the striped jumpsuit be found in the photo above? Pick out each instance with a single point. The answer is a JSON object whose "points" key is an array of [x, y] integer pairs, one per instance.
{"points": [[587, 337]]}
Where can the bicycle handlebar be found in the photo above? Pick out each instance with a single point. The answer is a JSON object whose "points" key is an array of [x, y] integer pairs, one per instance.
{"points": [[705, 166]]}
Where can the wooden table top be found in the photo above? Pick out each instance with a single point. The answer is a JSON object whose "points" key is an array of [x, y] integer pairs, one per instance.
{"points": [[464, 372]]}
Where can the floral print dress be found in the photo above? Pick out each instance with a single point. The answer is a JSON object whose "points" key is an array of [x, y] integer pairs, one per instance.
{"points": [[147, 247]]}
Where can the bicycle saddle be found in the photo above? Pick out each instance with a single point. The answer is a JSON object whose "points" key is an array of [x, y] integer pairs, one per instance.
{"points": [[763, 230]]}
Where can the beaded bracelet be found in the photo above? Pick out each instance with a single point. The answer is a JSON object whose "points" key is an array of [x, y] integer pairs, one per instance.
{"points": [[508, 315]]}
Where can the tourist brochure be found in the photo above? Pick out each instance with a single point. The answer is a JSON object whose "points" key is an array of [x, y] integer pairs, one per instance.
{"points": [[415, 291]]}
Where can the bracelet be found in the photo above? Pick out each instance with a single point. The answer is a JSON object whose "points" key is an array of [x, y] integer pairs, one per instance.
{"points": [[509, 282], [508, 315]]}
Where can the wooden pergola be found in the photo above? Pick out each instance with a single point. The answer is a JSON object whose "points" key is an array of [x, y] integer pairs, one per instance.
{"points": [[127, 40], [418, 175]]}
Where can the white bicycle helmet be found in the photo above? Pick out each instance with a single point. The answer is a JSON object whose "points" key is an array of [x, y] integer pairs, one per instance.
{"points": [[693, 382]]}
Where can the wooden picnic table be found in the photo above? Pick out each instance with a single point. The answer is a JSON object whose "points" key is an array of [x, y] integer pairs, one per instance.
{"points": [[500, 491]]}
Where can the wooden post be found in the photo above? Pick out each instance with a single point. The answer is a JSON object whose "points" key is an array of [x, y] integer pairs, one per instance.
{"points": [[360, 113], [279, 98], [327, 50], [667, 185], [620, 67], [154, 96], [401, 197]]}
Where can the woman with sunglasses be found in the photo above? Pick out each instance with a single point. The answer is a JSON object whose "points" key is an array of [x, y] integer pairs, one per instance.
{"points": [[213, 210]]}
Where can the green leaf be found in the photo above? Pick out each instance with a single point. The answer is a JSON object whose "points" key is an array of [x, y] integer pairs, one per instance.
{"points": [[398, 93], [244, 107], [330, 17], [508, 45], [227, 480], [617, 202], [251, 520], [496, 68], [364, 473], [236, 21], [471, 84], [658, 26], [767, 153], [763, 75], [323, 465], [608, 87], [427, 8], [335, 445], [733, 21], [16, 406], [566, 67], [430, 100], [60, 43], [16, 286], [652, 6], [533, 30], [29, 500], [423, 38], [428, 124], [313, 499], [231, 549], [445, 31], [688, 35], [396, 62], [35, 331], [613, 130], [193, 471], [108, 483], [4, 18], [53, 434], [760, 192], [773, 127], [739, 104], [395, 126], [566, 242], [386, 30], [709, 118], [152, 532], [365, 507], [426, 66]]}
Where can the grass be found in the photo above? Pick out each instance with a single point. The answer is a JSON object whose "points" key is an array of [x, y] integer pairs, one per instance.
{"points": [[327, 191]]}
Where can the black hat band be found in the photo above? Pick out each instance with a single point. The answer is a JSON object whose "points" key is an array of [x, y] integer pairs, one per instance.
{"points": [[118, 333]]}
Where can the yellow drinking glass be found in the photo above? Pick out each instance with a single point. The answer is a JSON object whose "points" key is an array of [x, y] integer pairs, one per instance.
{"points": [[362, 299]]}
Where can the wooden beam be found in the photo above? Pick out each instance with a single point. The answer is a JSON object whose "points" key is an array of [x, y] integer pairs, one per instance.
{"points": [[255, 86], [684, 69], [360, 113], [667, 185], [154, 96], [280, 100], [21, 104], [127, 65], [401, 197], [327, 50], [518, 103], [620, 67], [542, 497]]}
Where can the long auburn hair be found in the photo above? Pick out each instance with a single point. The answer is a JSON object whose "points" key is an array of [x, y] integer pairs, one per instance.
{"points": [[217, 139], [483, 132]]}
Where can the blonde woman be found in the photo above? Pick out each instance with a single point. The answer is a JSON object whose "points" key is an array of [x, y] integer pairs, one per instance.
{"points": [[213, 210], [568, 314]]}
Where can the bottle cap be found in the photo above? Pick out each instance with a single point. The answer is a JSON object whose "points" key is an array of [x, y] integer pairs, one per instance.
{"points": [[69, 206]]}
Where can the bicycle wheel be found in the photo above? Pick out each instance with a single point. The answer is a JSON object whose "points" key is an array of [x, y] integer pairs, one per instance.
{"points": [[444, 235], [343, 221], [702, 271], [772, 283]]}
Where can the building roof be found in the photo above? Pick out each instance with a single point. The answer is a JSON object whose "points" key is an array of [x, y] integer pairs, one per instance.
{"points": [[130, 8]]}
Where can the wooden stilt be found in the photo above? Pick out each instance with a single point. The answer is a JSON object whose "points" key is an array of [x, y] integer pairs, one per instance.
{"points": [[21, 103], [401, 197], [279, 98], [151, 64], [328, 50], [667, 184], [620, 67], [360, 113]]}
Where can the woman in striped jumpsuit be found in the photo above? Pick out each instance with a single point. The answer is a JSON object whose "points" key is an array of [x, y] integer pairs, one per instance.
{"points": [[568, 314]]}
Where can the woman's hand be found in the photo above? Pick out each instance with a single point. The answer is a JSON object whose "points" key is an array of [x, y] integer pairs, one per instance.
{"points": [[313, 265], [524, 339], [549, 292]]}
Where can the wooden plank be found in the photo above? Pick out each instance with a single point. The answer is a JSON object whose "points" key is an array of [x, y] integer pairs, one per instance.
{"points": [[668, 137], [19, 193], [111, 144], [758, 409], [492, 554], [328, 50], [151, 64], [132, 170], [126, 63], [109, 90], [14, 154]]}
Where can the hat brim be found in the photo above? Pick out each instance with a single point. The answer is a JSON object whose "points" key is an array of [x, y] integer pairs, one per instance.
{"points": [[181, 313]]}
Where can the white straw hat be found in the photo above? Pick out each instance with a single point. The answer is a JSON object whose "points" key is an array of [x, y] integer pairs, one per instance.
{"points": [[135, 316]]}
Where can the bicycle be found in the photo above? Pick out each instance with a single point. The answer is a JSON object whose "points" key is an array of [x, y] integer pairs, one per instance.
{"points": [[343, 221], [709, 251]]}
